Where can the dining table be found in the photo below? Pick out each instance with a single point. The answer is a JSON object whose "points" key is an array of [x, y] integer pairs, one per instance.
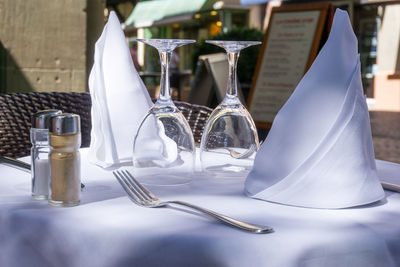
{"points": [[108, 229]]}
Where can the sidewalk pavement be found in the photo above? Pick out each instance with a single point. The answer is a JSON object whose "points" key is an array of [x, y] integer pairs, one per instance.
{"points": [[385, 128]]}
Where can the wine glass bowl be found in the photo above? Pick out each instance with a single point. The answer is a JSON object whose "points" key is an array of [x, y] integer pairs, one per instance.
{"points": [[230, 138], [164, 149]]}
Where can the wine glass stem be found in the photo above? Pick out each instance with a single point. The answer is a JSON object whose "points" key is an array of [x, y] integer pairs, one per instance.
{"points": [[165, 58], [231, 90]]}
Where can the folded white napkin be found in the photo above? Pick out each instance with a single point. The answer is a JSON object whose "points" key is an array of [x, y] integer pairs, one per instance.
{"points": [[119, 98], [319, 151]]}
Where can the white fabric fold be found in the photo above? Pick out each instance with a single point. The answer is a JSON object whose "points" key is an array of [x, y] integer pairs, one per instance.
{"points": [[119, 98], [319, 151]]}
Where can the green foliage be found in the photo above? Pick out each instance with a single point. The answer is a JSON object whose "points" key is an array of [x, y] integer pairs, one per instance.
{"points": [[248, 57]]}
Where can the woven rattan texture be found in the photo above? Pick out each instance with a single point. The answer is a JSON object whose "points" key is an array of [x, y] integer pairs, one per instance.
{"points": [[196, 116], [16, 111]]}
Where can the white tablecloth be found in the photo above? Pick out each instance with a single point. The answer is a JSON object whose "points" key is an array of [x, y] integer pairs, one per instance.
{"points": [[107, 229]]}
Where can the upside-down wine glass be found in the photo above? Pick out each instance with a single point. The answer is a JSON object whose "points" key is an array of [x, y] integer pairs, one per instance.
{"points": [[164, 148], [230, 138]]}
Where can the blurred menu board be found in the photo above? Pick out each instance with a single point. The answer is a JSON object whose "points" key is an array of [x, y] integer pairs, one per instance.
{"points": [[289, 47]]}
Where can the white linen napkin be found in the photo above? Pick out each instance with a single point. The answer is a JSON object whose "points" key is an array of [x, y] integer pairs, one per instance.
{"points": [[119, 98], [319, 151]]}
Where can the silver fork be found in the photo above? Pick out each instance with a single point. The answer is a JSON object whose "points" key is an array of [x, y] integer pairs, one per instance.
{"points": [[143, 197]]}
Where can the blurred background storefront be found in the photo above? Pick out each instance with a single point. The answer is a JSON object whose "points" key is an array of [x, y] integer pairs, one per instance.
{"points": [[196, 19], [376, 23], [49, 45]]}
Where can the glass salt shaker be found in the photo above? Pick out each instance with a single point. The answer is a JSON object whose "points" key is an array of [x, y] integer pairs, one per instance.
{"points": [[65, 140], [40, 167]]}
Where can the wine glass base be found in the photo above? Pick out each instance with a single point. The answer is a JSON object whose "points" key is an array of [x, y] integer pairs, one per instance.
{"points": [[164, 180], [227, 171], [219, 163]]}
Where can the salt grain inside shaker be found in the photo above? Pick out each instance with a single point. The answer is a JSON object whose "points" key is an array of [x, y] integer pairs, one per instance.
{"points": [[65, 140], [40, 168]]}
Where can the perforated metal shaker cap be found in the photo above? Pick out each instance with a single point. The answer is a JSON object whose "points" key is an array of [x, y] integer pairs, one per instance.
{"points": [[41, 119], [65, 123]]}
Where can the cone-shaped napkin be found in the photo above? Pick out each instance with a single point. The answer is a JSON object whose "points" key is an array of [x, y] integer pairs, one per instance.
{"points": [[119, 98], [319, 151]]}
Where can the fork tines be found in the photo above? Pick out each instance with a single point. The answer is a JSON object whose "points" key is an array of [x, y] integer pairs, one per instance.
{"points": [[135, 190]]}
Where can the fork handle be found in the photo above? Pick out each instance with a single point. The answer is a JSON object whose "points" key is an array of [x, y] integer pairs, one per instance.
{"points": [[258, 229]]}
